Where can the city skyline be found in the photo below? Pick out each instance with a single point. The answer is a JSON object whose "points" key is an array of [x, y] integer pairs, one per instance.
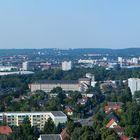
{"points": [[69, 24]]}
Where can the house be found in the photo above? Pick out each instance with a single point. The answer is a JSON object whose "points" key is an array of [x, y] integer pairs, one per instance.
{"points": [[5, 130], [69, 110], [112, 115], [127, 138], [83, 101], [119, 130], [64, 134], [113, 106], [111, 124]]}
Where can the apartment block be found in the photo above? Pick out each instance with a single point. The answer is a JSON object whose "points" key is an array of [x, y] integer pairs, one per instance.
{"points": [[134, 85], [67, 85], [36, 118]]}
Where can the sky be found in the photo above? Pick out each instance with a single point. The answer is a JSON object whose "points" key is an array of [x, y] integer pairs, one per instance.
{"points": [[69, 24]]}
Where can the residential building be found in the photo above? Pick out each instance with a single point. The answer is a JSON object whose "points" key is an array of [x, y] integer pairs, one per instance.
{"points": [[62, 136], [69, 110], [66, 65], [120, 59], [82, 101], [36, 118], [111, 124], [67, 85], [5, 130], [7, 68], [135, 60], [113, 116], [119, 131], [134, 84], [16, 73], [50, 137], [115, 106], [87, 61], [92, 77], [25, 66]]}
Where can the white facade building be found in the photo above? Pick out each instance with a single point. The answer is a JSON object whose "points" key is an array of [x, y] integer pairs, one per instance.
{"points": [[134, 84], [104, 58], [25, 66], [50, 137], [87, 61], [7, 68], [135, 60], [66, 65], [36, 118], [120, 59], [92, 78]]}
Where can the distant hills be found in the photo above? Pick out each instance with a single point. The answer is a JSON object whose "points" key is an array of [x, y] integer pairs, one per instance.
{"points": [[78, 51]]}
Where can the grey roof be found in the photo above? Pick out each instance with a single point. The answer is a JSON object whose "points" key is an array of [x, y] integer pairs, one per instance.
{"points": [[55, 113], [58, 113], [57, 82], [84, 79], [113, 116], [115, 103], [51, 137]]}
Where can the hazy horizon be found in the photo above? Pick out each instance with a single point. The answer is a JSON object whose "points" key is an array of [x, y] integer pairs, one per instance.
{"points": [[69, 24], [65, 48]]}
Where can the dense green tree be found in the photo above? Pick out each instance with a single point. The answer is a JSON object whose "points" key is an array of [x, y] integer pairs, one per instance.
{"points": [[76, 134], [58, 128], [130, 119], [57, 90], [49, 126], [108, 134], [137, 94], [132, 130], [24, 131], [70, 126]]}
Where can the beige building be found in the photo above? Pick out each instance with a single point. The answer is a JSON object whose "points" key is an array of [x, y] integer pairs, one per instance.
{"points": [[67, 85], [36, 118]]}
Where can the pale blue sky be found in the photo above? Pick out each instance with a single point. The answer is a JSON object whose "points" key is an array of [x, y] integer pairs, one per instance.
{"points": [[69, 23]]}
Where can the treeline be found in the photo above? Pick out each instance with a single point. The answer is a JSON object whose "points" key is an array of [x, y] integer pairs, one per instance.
{"points": [[100, 73], [57, 74]]}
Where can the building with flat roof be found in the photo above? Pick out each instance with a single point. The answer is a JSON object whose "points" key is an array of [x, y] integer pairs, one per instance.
{"points": [[25, 66], [50, 137], [134, 84], [7, 68], [66, 65], [67, 85], [36, 118]]}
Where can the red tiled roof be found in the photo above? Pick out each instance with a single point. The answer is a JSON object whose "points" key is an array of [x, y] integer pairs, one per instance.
{"points": [[64, 134], [110, 123], [119, 130], [112, 107], [124, 138], [5, 130], [69, 109]]}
